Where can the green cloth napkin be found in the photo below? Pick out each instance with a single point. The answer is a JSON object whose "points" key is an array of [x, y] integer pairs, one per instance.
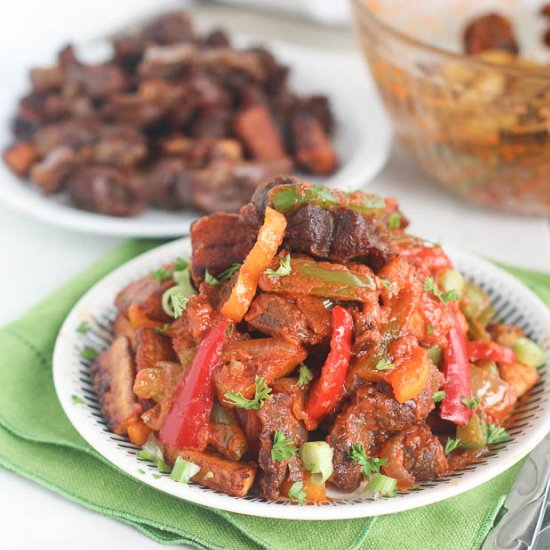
{"points": [[38, 442]]}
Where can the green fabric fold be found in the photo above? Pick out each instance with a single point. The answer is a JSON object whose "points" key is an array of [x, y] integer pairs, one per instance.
{"points": [[38, 442]]}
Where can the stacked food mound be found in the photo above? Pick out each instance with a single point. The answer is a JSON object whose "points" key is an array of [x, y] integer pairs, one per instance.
{"points": [[311, 340], [173, 120]]}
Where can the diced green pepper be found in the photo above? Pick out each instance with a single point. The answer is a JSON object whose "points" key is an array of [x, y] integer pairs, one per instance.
{"points": [[285, 198], [473, 435]]}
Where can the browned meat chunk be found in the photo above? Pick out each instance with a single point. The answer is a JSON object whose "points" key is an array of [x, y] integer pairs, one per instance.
{"points": [[372, 413], [113, 381], [257, 130], [271, 358], [50, 172], [490, 32], [152, 347], [311, 145], [276, 415], [218, 242], [414, 455], [350, 427], [106, 190], [20, 157], [305, 319], [339, 235], [147, 293], [216, 472]]}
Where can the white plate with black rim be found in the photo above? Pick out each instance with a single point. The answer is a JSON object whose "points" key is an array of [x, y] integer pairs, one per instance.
{"points": [[530, 421], [362, 139]]}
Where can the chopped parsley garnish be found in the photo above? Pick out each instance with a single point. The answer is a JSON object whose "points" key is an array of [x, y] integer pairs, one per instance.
{"points": [[394, 221], [368, 465], [179, 302], [296, 493], [430, 329], [283, 270], [385, 283], [496, 434], [282, 448], [384, 364], [261, 394], [471, 402], [223, 276], [229, 329], [88, 353], [451, 445], [83, 328], [140, 471], [161, 275], [305, 376], [163, 329], [431, 286], [438, 396], [181, 265], [77, 400]]}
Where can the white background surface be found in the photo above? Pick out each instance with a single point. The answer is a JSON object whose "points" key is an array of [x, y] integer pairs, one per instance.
{"points": [[36, 258]]}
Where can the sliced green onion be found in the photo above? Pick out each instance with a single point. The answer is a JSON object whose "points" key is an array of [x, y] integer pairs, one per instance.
{"points": [[435, 353], [451, 279], [184, 470], [528, 352], [152, 452], [316, 457], [380, 484]]}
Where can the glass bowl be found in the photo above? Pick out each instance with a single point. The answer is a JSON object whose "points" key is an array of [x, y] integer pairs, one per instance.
{"points": [[480, 126]]}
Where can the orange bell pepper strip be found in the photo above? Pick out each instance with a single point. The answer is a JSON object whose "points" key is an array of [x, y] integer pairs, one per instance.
{"points": [[269, 239], [409, 377]]}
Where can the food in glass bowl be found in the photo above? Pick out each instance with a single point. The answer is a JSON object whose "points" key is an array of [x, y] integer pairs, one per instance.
{"points": [[468, 92], [310, 340], [172, 120]]}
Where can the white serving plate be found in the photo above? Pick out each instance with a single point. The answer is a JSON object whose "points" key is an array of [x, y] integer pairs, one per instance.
{"points": [[513, 302], [362, 140]]}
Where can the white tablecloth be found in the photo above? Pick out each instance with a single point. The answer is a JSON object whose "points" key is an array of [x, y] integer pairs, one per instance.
{"points": [[37, 258]]}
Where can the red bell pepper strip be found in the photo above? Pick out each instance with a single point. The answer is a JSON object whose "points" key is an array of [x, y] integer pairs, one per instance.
{"points": [[458, 383], [186, 426], [490, 351], [328, 387], [431, 257]]}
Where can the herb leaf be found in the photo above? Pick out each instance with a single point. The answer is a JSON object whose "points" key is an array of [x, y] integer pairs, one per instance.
{"points": [[229, 328], [296, 493], [368, 465], [161, 275], [261, 394], [385, 282], [305, 376], [179, 303], [83, 328], [77, 400], [438, 396], [384, 364], [88, 353], [431, 286], [497, 434], [283, 270], [451, 445], [471, 403], [394, 221], [282, 448], [163, 329], [223, 276], [181, 265]]}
